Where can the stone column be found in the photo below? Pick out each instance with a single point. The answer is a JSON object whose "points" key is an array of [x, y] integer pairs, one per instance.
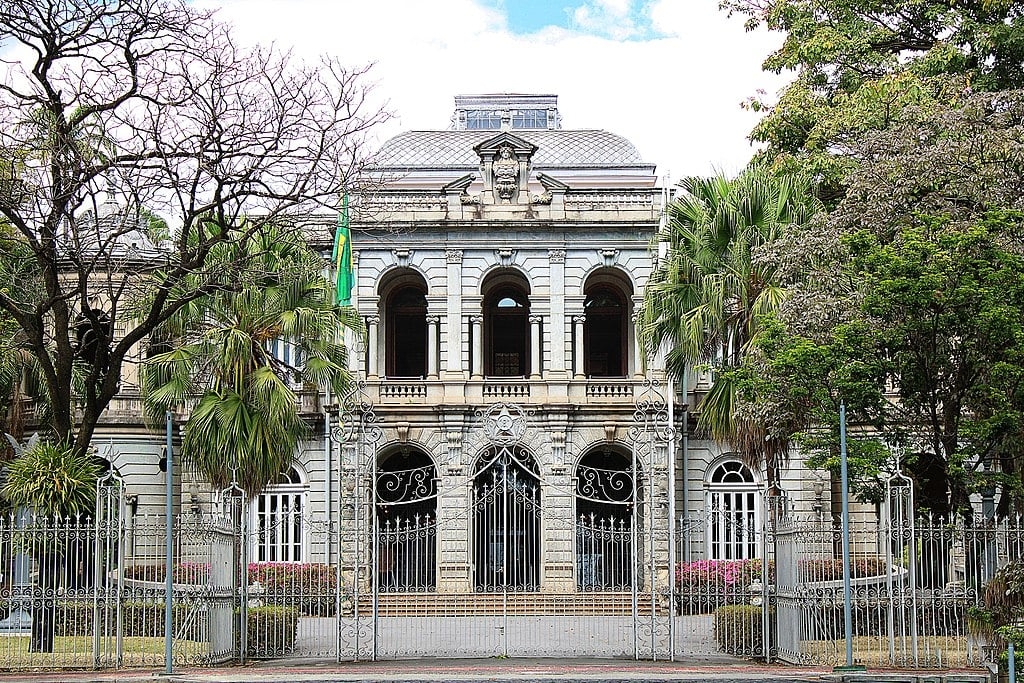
{"points": [[535, 345], [638, 351], [432, 350], [478, 345], [556, 330], [559, 546], [453, 331], [578, 351], [453, 536], [372, 325]]}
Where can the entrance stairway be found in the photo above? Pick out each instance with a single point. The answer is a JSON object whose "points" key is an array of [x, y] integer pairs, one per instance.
{"points": [[514, 604]]}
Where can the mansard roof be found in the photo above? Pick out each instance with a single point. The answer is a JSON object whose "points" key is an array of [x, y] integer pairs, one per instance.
{"points": [[453, 149]]}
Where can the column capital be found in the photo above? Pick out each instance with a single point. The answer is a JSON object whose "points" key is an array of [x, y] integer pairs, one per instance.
{"points": [[579, 319], [476, 319], [373, 320], [536, 319], [433, 319]]}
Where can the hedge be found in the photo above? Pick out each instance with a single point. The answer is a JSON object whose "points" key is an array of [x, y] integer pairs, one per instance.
{"points": [[270, 631], [739, 630], [141, 619], [308, 587]]}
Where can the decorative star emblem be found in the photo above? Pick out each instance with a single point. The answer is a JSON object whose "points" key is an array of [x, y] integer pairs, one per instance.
{"points": [[504, 420], [504, 423]]}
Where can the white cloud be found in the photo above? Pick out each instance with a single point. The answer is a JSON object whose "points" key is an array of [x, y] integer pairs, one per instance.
{"points": [[610, 18], [676, 97]]}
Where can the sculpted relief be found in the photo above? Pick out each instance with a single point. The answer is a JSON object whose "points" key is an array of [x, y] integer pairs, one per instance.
{"points": [[506, 175], [505, 166]]}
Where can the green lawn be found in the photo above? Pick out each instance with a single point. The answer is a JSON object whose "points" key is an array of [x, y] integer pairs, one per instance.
{"points": [[873, 651], [76, 652]]}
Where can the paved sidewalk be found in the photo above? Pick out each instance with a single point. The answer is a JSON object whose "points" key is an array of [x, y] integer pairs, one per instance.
{"points": [[539, 670]]}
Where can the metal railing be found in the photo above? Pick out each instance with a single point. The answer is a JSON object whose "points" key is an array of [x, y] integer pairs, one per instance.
{"points": [[912, 586], [90, 592]]}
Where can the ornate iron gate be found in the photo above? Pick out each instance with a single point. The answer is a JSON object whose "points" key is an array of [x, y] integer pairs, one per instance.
{"points": [[506, 524], [487, 558], [653, 529]]}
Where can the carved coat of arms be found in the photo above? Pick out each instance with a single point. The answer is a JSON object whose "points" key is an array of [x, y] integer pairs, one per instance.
{"points": [[506, 175]]}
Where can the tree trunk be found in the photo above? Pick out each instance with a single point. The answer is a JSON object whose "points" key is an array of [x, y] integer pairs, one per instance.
{"points": [[44, 603]]}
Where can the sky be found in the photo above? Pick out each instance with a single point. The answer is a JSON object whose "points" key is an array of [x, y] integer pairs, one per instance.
{"points": [[668, 75]]}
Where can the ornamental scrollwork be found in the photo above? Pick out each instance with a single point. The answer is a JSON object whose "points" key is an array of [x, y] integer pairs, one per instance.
{"points": [[406, 486], [604, 486]]}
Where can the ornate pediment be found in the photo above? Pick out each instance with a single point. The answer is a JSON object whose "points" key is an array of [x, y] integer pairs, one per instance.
{"points": [[505, 163]]}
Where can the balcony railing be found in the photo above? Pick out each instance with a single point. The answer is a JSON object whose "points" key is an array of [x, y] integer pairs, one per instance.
{"points": [[613, 389], [506, 389], [403, 389]]}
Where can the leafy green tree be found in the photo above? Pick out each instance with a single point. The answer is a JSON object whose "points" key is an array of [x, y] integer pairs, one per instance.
{"points": [[906, 302], [244, 425], [706, 298], [859, 62]]}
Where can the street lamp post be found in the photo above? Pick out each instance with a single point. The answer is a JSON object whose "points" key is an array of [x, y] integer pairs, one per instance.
{"points": [[169, 560], [844, 477]]}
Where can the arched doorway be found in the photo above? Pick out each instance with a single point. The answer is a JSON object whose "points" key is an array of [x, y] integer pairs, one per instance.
{"points": [[606, 327], [506, 324], [606, 490], [506, 521], [404, 294], [405, 523]]}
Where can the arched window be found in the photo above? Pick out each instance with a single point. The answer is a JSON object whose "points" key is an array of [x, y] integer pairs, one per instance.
{"points": [[604, 333], [506, 521], [506, 326], [734, 512], [405, 325], [93, 339], [606, 489], [276, 520], [406, 522], [606, 336]]}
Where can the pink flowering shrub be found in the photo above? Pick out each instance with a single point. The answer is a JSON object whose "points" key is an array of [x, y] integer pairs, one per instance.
{"points": [[720, 574], [309, 587], [705, 585], [196, 573]]}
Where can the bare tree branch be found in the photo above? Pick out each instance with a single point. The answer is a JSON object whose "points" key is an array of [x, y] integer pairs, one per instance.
{"points": [[114, 113]]}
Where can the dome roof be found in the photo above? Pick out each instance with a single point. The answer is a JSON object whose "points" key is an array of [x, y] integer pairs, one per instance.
{"points": [[556, 148]]}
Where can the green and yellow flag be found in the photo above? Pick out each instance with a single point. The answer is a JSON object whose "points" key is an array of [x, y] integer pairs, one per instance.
{"points": [[342, 258]]}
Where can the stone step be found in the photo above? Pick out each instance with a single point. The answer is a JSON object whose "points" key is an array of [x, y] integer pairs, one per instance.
{"points": [[517, 604]]}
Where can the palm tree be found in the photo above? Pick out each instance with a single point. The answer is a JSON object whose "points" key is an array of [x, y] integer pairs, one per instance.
{"points": [[58, 484], [707, 297], [216, 356]]}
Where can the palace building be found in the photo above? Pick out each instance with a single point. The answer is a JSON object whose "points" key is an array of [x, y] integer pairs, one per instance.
{"points": [[507, 436]]}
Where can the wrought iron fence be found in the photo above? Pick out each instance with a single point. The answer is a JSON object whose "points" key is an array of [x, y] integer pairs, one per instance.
{"points": [[720, 598], [913, 584], [81, 593], [604, 553], [407, 554], [90, 592]]}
